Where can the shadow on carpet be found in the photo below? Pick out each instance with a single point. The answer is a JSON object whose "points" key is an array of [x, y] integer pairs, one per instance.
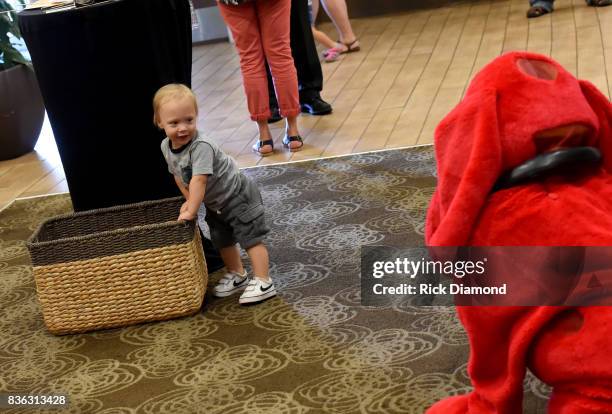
{"points": [[312, 349]]}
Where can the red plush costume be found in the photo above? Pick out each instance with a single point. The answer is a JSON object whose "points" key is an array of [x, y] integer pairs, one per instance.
{"points": [[518, 106]]}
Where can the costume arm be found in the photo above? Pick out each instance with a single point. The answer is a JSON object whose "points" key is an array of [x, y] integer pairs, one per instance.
{"points": [[195, 197]]}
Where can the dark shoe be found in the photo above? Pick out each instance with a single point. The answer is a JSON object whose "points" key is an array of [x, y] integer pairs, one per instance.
{"points": [[540, 8], [276, 116], [315, 106], [536, 12], [288, 140], [599, 3], [257, 147]]}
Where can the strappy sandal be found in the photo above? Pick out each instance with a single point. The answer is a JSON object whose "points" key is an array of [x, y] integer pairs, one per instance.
{"points": [[259, 144], [350, 47], [288, 140]]}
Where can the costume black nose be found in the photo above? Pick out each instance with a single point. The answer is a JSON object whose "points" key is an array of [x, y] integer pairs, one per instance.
{"points": [[550, 163]]}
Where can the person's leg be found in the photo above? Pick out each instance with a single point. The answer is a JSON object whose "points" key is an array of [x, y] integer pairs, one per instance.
{"points": [[260, 286], [274, 18], [231, 258], [274, 110], [259, 261], [235, 278], [338, 13], [306, 60], [244, 25], [304, 51], [538, 8], [332, 51], [322, 38]]}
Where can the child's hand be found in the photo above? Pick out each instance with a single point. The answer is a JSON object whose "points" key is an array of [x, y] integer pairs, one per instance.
{"points": [[184, 207], [186, 215]]}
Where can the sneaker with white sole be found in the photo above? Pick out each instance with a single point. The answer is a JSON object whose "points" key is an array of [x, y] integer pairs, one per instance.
{"points": [[230, 283], [257, 291]]}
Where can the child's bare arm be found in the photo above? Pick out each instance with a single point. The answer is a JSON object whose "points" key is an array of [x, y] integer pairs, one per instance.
{"points": [[184, 191], [179, 184], [195, 196]]}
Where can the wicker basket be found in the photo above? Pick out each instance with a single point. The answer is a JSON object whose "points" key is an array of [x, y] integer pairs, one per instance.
{"points": [[118, 266]]}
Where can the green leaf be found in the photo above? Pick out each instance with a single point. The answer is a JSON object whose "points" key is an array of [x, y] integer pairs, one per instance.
{"points": [[9, 55]]}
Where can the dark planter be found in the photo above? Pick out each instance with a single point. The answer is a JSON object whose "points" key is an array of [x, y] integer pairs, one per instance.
{"points": [[22, 111]]}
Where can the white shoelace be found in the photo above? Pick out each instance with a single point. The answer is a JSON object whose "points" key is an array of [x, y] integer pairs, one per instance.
{"points": [[252, 284]]}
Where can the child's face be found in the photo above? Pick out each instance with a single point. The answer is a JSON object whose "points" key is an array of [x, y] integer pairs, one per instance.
{"points": [[177, 117]]}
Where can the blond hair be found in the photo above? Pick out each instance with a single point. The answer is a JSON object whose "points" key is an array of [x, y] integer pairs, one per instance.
{"points": [[168, 92]]}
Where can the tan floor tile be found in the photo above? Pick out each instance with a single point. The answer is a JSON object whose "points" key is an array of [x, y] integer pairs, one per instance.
{"points": [[404, 43], [362, 77], [221, 135], [46, 184], [402, 137], [429, 36], [247, 130], [235, 148], [346, 137], [21, 177], [567, 59], [372, 142], [456, 77], [62, 187], [585, 16], [247, 160], [281, 154], [412, 119]]}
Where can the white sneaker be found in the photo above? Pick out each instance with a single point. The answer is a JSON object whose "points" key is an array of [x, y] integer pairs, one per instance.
{"points": [[257, 291], [230, 283]]}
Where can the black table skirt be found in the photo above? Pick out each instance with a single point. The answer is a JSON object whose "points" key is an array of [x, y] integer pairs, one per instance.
{"points": [[98, 68]]}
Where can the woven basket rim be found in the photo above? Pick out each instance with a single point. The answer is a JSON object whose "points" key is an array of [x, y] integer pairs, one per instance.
{"points": [[32, 239]]}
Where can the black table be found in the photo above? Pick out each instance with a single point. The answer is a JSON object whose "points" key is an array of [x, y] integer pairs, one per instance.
{"points": [[98, 67]]}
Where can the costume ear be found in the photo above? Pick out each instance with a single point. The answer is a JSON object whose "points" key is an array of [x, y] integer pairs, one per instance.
{"points": [[603, 109], [468, 153]]}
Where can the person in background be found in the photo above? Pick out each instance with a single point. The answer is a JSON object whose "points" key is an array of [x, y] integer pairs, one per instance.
{"points": [[338, 13], [309, 73], [260, 29], [538, 8]]}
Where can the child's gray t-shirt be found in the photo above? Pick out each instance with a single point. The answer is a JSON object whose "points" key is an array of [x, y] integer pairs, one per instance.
{"points": [[201, 156]]}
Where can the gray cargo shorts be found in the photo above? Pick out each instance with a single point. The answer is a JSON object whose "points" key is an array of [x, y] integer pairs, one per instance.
{"points": [[242, 220]]}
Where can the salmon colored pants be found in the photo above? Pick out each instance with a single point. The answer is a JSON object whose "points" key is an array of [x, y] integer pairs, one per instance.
{"points": [[261, 32]]}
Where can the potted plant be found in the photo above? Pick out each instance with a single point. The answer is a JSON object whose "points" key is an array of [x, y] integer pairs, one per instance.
{"points": [[21, 106]]}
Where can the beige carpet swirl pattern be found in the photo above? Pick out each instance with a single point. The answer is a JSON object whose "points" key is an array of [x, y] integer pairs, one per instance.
{"points": [[313, 349]]}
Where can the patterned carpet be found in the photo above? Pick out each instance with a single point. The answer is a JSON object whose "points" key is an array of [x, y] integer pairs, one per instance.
{"points": [[313, 349]]}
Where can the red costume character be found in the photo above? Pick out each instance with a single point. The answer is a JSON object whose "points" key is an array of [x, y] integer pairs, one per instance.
{"points": [[521, 105]]}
